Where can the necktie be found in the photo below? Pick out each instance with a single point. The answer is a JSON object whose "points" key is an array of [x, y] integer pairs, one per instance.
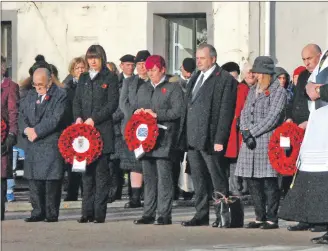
{"points": [[197, 86], [39, 98]]}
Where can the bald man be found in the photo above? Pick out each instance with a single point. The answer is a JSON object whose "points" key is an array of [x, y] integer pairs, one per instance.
{"points": [[41, 113], [298, 110]]}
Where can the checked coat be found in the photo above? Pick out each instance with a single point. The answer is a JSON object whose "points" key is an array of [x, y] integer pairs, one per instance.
{"points": [[261, 115]]}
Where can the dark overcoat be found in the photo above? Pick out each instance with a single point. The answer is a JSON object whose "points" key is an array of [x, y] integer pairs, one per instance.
{"points": [[98, 99], [261, 115], [43, 160], [207, 119], [9, 113], [165, 100]]}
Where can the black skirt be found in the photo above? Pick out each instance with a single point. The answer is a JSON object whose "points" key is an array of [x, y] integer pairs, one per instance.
{"points": [[307, 201]]}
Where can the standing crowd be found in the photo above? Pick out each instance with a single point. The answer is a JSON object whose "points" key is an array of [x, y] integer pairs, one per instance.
{"points": [[222, 124]]}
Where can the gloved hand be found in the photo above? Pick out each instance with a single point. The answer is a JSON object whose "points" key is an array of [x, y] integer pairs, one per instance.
{"points": [[248, 139], [10, 141]]}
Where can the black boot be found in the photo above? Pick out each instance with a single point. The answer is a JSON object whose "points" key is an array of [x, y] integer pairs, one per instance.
{"points": [[135, 201]]}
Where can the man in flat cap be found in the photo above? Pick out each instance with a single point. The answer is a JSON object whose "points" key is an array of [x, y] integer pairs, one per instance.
{"points": [[187, 69], [127, 66], [127, 103]]}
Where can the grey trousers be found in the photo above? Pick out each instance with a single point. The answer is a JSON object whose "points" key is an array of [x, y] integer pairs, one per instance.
{"points": [[202, 163], [158, 187]]}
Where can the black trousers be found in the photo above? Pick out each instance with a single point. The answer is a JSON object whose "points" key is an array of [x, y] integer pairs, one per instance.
{"points": [[3, 197], [158, 187], [266, 197], [96, 184], [115, 174], [45, 198], [74, 183], [203, 165]]}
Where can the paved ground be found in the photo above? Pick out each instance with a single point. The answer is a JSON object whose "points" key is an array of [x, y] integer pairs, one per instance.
{"points": [[119, 233]]}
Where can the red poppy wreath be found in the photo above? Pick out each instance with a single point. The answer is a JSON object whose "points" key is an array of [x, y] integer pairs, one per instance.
{"points": [[283, 164], [3, 130], [141, 130], [80, 141]]}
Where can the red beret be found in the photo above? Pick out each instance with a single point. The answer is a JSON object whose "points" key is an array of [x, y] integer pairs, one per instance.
{"points": [[155, 60], [298, 70]]}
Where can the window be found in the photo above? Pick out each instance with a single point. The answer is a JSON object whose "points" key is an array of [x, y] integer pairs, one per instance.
{"points": [[6, 44], [185, 33]]}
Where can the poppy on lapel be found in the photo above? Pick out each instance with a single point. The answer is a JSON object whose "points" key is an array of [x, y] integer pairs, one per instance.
{"points": [[47, 98], [104, 86], [217, 74], [163, 90], [267, 93]]}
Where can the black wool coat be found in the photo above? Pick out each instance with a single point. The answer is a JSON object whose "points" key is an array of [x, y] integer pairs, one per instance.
{"points": [[207, 119], [43, 160], [98, 99]]}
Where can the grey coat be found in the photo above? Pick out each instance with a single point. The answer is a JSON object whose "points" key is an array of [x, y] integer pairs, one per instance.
{"points": [[261, 115], [166, 101], [42, 158]]}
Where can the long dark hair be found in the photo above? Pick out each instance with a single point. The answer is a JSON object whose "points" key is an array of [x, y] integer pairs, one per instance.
{"points": [[96, 51]]}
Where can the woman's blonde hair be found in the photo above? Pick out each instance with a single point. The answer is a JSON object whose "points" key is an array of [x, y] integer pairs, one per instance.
{"points": [[74, 62], [266, 80]]}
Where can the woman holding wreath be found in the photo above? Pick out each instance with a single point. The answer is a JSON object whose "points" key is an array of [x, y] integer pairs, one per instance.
{"points": [[163, 100], [262, 114], [95, 101]]}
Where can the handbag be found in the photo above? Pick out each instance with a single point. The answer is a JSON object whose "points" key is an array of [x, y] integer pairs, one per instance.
{"points": [[230, 211], [185, 182]]}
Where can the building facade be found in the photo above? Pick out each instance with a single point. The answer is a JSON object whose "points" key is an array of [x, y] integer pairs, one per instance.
{"points": [[240, 31]]}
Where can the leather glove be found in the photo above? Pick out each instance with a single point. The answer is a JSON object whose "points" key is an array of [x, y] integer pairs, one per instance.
{"points": [[10, 141], [248, 139]]}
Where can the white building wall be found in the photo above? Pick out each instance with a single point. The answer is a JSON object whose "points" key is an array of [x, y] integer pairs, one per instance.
{"points": [[297, 24], [61, 31], [231, 31]]}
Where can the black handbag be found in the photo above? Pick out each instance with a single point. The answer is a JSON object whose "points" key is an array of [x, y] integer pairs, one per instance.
{"points": [[230, 211]]}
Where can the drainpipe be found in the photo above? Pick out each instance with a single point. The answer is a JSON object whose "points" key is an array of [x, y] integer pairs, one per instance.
{"points": [[267, 28]]}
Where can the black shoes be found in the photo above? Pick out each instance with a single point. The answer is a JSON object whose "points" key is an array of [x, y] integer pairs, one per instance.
{"points": [[320, 240], [51, 220], [254, 224], [299, 227], [318, 228], [144, 220], [98, 221], [267, 225], [195, 222], [163, 221], [85, 219], [34, 219], [132, 204]]}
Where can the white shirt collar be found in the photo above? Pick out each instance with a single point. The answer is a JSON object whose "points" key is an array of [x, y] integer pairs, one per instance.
{"points": [[125, 76], [208, 72], [161, 81]]}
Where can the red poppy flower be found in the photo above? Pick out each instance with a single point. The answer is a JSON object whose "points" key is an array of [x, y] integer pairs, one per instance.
{"points": [[70, 134], [47, 98], [267, 93], [163, 90], [217, 74], [3, 130], [104, 86]]}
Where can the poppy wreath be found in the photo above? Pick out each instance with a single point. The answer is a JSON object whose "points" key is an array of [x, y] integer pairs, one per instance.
{"points": [[283, 164], [84, 134], [134, 137], [3, 130]]}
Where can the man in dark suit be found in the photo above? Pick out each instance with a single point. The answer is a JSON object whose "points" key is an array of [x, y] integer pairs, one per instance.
{"points": [[42, 111], [205, 128]]}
